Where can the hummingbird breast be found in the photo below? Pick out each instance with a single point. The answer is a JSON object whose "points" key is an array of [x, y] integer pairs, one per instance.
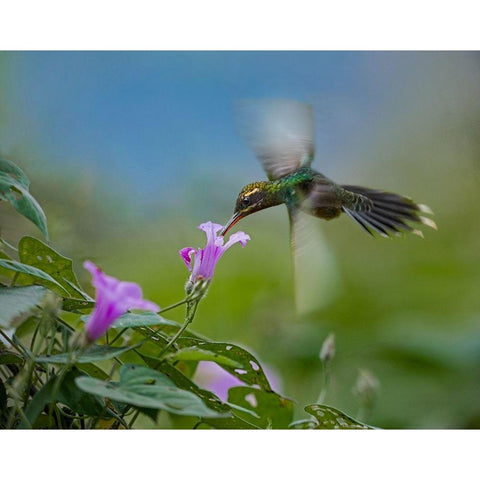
{"points": [[319, 196]]}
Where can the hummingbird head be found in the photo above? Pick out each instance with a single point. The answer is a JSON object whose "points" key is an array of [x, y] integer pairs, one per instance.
{"points": [[252, 198]]}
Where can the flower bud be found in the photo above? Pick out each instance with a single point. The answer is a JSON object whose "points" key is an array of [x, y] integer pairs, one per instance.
{"points": [[198, 288], [328, 349], [366, 386]]}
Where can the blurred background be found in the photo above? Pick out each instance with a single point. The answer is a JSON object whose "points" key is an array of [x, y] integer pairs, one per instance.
{"points": [[128, 152]]}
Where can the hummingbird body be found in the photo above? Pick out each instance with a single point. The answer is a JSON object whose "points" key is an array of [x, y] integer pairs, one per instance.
{"points": [[315, 194], [305, 189]]}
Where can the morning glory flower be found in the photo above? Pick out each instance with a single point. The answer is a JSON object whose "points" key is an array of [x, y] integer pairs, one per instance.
{"points": [[202, 261], [113, 299]]}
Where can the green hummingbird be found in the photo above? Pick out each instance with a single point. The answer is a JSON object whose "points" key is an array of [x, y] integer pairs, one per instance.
{"points": [[281, 133]]}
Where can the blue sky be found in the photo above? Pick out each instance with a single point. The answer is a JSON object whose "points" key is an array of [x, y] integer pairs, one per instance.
{"points": [[146, 120]]}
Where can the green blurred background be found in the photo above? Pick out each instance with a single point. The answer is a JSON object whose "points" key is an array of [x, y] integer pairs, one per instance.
{"points": [[129, 152]]}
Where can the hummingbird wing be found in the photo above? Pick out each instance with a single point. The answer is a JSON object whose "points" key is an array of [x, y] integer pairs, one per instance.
{"points": [[280, 132], [315, 271]]}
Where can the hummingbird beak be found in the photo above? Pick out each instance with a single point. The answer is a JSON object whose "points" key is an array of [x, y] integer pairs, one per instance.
{"points": [[233, 220]]}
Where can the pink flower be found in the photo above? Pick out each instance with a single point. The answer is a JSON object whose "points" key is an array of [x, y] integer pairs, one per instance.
{"points": [[113, 299], [205, 259], [214, 378]]}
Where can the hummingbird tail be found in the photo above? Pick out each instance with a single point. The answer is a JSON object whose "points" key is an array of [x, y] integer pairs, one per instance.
{"points": [[385, 213]]}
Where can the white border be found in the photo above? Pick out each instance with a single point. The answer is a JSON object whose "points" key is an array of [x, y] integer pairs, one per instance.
{"points": [[233, 455], [250, 24]]}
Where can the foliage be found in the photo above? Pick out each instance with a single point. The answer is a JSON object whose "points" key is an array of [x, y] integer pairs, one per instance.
{"points": [[330, 418], [18, 302], [14, 188], [52, 377]]}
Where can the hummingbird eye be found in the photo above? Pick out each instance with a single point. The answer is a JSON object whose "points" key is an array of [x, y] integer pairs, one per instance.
{"points": [[244, 202]]}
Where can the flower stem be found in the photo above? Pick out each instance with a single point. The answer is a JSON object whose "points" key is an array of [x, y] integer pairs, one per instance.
{"points": [[8, 339], [191, 310], [8, 245], [325, 383], [34, 336], [166, 309], [119, 334], [58, 381], [28, 381], [174, 305], [134, 418], [23, 416]]}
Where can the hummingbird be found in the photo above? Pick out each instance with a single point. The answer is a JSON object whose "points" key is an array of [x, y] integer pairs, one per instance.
{"points": [[281, 134]]}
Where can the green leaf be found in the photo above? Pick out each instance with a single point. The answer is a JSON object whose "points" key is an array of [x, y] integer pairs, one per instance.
{"points": [[18, 302], [37, 274], [4, 272], [183, 382], [331, 418], [26, 328], [248, 369], [74, 304], [144, 319], [197, 354], [10, 358], [146, 388], [273, 410], [17, 174], [44, 422], [3, 404], [38, 403], [78, 400], [68, 394], [37, 254], [305, 424], [230, 423], [95, 353], [93, 371], [14, 186]]}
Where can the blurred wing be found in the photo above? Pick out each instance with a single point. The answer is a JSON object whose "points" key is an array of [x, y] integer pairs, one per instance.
{"points": [[280, 132], [316, 275]]}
